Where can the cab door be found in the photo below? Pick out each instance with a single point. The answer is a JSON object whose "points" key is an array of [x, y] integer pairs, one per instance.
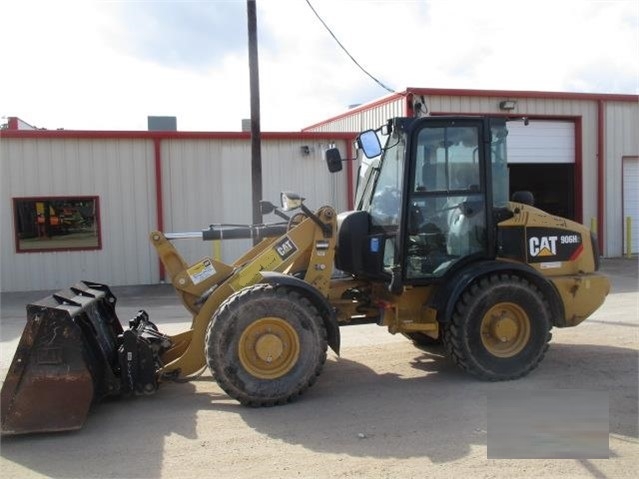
{"points": [[445, 215]]}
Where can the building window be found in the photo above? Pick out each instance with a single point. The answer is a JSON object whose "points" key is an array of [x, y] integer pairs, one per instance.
{"points": [[57, 223]]}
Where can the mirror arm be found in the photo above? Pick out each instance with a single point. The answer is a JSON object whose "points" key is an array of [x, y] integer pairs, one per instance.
{"points": [[326, 229], [281, 214], [266, 207]]}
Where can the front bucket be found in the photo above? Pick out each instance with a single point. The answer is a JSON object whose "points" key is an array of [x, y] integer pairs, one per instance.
{"points": [[65, 361]]}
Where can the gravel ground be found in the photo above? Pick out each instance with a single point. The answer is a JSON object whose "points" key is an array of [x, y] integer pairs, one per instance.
{"points": [[383, 409]]}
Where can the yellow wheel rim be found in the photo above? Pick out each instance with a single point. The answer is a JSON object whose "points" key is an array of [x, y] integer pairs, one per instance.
{"points": [[505, 330], [269, 348]]}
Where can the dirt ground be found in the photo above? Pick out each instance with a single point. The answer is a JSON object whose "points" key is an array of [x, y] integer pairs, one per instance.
{"points": [[384, 409]]}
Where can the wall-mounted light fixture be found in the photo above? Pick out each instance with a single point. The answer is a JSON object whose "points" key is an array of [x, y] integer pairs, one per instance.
{"points": [[305, 150], [507, 105]]}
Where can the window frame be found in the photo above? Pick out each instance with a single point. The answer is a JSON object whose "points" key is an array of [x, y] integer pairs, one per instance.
{"points": [[97, 221], [483, 127]]}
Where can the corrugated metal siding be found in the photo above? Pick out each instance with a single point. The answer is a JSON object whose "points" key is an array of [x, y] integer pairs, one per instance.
{"points": [[286, 168], [119, 172], [204, 181], [209, 181], [621, 127], [364, 119]]}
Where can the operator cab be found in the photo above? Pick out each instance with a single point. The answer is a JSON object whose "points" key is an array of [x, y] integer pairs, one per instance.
{"points": [[422, 198]]}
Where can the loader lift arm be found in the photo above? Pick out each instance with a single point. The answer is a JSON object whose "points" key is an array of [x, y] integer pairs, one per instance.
{"points": [[203, 287]]}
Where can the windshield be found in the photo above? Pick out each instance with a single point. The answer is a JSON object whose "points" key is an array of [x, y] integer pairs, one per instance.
{"points": [[385, 199]]}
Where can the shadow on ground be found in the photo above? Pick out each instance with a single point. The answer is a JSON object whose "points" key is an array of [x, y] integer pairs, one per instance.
{"points": [[431, 410]]}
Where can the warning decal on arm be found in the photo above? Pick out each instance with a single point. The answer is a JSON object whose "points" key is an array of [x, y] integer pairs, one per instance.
{"points": [[201, 271]]}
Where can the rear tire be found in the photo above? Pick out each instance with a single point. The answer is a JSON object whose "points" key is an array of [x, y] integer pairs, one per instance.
{"points": [[266, 345], [500, 328]]}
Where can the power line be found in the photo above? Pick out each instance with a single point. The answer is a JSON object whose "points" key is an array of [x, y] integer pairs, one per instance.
{"points": [[346, 51]]}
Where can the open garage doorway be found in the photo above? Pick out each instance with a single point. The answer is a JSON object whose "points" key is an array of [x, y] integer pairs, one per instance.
{"points": [[553, 186], [541, 159]]}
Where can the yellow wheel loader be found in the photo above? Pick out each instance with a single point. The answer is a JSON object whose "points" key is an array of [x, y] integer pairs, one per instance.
{"points": [[434, 250]]}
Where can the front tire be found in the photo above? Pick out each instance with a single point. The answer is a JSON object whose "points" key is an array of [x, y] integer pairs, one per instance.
{"points": [[500, 328], [266, 345]]}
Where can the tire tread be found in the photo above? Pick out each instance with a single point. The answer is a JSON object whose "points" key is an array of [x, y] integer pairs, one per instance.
{"points": [[453, 331], [227, 311]]}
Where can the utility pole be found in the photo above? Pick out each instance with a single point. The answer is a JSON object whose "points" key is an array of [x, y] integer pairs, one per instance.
{"points": [[256, 139]]}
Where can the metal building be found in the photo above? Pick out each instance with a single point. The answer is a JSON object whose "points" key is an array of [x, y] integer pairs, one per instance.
{"points": [[578, 153], [80, 204]]}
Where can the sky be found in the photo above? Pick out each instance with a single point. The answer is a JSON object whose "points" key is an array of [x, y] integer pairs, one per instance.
{"points": [[108, 65]]}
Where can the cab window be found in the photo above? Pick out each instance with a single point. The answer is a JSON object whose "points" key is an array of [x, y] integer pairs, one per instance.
{"points": [[446, 217]]}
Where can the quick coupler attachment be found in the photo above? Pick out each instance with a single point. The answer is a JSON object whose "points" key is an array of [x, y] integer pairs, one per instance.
{"points": [[73, 352], [141, 347]]}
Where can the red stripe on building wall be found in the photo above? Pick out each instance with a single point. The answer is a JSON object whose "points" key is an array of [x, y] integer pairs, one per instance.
{"points": [[601, 171], [543, 95], [578, 173], [173, 135]]}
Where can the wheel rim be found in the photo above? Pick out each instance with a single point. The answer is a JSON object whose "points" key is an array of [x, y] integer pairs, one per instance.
{"points": [[269, 348], [505, 330]]}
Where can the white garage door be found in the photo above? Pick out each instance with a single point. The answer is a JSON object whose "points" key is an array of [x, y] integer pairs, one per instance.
{"points": [[541, 141], [631, 202]]}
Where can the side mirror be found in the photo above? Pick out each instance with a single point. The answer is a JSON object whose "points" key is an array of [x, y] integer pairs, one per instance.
{"points": [[368, 141], [290, 201], [333, 160]]}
